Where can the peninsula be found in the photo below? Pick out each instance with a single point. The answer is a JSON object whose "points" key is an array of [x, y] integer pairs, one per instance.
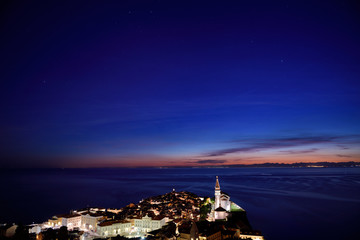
{"points": [[174, 215]]}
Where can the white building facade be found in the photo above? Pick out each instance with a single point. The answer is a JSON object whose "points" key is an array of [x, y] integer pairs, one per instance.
{"points": [[89, 221], [133, 227], [147, 224], [72, 221], [113, 228], [222, 203]]}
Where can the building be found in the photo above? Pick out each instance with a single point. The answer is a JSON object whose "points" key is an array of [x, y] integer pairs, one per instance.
{"points": [[222, 202], [142, 224], [72, 221], [220, 213], [222, 205], [251, 236], [188, 232], [222, 199], [84, 220], [90, 220], [146, 224], [56, 221], [35, 228], [192, 230], [131, 227], [113, 228]]}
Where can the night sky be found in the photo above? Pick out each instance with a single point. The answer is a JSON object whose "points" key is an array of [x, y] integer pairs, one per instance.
{"points": [[178, 83]]}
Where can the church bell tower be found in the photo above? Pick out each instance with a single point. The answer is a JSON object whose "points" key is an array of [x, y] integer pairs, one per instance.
{"points": [[217, 193]]}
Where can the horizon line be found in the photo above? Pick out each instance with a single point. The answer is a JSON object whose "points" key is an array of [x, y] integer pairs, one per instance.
{"points": [[255, 165]]}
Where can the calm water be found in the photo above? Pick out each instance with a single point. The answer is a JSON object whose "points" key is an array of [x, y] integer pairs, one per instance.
{"points": [[283, 203]]}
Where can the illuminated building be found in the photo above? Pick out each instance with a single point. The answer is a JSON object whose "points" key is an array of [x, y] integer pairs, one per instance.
{"points": [[85, 220], [222, 204], [113, 228], [251, 236], [89, 221], [72, 220], [131, 227]]}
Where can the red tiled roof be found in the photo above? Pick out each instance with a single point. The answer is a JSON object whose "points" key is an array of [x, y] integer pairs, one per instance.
{"points": [[158, 217], [220, 209], [68, 215], [109, 223]]}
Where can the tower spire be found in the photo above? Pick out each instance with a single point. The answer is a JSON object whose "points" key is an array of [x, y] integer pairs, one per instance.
{"points": [[217, 185]]}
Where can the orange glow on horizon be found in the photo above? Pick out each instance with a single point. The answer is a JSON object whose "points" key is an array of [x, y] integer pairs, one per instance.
{"points": [[161, 161]]}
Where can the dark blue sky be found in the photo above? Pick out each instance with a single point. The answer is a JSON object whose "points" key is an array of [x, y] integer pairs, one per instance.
{"points": [[130, 83]]}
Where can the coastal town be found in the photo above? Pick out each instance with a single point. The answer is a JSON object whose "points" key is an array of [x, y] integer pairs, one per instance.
{"points": [[174, 215]]}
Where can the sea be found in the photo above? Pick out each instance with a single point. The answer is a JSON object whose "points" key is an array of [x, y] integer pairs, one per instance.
{"points": [[284, 203]]}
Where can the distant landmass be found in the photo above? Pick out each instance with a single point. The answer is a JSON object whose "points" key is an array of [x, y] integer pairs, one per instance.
{"points": [[287, 165]]}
